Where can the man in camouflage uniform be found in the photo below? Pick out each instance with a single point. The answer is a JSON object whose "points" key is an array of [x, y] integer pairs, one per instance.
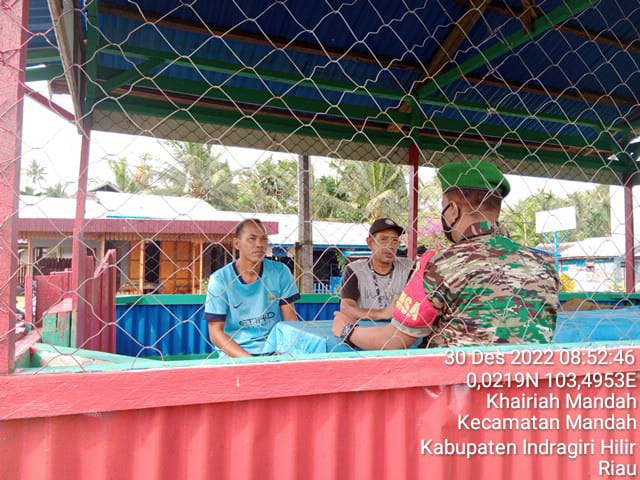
{"points": [[483, 289]]}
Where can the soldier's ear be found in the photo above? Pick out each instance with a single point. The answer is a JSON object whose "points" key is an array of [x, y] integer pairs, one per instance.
{"points": [[456, 213]]}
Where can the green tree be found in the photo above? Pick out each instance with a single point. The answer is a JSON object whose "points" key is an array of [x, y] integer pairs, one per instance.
{"points": [[36, 173], [197, 171], [593, 215], [375, 189], [331, 200], [122, 175], [520, 220], [57, 191], [271, 187], [593, 212]]}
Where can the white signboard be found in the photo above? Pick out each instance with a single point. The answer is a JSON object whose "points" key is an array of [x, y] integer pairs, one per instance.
{"points": [[558, 220]]}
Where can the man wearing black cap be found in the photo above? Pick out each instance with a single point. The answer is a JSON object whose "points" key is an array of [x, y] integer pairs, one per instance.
{"points": [[370, 286], [483, 289]]}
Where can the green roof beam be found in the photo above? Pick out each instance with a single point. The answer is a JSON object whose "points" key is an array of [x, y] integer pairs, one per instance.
{"points": [[511, 112], [250, 72], [93, 40], [47, 72], [297, 104], [43, 55], [547, 21], [266, 99], [318, 129], [135, 73]]}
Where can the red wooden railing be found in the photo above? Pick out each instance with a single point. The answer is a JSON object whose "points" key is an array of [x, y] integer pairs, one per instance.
{"points": [[96, 326], [95, 310]]}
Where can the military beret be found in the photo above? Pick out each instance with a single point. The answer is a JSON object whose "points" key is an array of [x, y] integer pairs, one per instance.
{"points": [[476, 174]]}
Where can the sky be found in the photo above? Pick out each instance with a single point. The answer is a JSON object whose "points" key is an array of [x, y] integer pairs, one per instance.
{"points": [[55, 144]]}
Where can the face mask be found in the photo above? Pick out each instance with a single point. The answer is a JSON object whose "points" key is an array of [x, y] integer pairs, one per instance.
{"points": [[446, 228]]}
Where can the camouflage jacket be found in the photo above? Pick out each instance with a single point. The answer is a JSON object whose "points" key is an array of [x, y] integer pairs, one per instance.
{"points": [[489, 290]]}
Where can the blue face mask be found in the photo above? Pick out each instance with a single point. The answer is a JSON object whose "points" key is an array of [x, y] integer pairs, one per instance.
{"points": [[446, 228]]}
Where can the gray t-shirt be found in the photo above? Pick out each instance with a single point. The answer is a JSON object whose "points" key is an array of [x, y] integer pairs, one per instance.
{"points": [[371, 289]]}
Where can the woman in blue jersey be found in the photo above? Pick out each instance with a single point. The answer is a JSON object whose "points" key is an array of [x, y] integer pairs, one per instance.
{"points": [[249, 296]]}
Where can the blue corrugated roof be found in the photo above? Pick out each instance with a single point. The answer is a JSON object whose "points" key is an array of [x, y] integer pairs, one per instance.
{"points": [[409, 33]]}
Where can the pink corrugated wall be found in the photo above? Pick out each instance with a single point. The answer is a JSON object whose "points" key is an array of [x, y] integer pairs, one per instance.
{"points": [[368, 424]]}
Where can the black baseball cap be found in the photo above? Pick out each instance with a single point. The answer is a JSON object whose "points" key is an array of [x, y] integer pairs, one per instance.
{"points": [[385, 224]]}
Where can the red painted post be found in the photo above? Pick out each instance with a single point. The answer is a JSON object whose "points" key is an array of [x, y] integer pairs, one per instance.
{"points": [[629, 255], [14, 17], [414, 159], [79, 253], [50, 104]]}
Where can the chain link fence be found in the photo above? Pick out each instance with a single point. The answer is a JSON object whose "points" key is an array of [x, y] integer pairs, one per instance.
{"points": [[201, 115]]}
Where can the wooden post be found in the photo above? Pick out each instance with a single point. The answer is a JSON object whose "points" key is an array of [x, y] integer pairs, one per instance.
{"points": [[629, 255], [14, 25], [304, 254], [29, 257], [412, 227], [79, 252], [200, 267], [142, 261]]}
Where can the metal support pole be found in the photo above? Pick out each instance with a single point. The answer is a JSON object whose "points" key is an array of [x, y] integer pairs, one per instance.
{"points": [[304, 254], [556, 249], [629, 255], [14, 22], [414, 186]]}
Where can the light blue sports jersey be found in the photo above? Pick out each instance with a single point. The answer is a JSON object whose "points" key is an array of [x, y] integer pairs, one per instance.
{"points": [[250, 310]]}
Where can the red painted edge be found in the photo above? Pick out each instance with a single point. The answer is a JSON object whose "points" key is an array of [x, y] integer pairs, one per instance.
{"points": [[25, 343], [64, 226], [46, 395], [50, 104], [14, 23], [629, 254]]}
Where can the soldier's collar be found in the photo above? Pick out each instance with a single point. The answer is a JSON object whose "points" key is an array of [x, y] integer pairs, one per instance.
{"points": [[484, 228]]}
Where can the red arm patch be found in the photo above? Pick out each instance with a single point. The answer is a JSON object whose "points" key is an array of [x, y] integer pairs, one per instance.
{"points": [[413, 308]]}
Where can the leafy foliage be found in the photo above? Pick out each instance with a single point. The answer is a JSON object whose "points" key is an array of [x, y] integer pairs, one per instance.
{"points": [[270, 187], [593, 215], [199, 173]]}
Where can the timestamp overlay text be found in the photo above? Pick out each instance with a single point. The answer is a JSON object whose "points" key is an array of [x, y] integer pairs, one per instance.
{"points": [[562, 404]]}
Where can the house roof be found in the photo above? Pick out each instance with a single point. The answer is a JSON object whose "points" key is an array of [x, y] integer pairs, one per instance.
{"points": [[145, 214], [128, 213], [597, 247]]}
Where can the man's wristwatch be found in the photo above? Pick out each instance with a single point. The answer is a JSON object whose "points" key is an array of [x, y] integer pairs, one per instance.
{"points": [[346, 332]]}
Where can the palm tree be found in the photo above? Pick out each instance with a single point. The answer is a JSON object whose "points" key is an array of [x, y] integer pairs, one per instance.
{"points": [[36, 173], [379, 189], [122, 175], [56, 191], [270, 187], [200, 173]]}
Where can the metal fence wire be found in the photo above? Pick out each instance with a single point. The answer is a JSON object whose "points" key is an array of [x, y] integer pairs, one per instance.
{"points": [[152, 128]]}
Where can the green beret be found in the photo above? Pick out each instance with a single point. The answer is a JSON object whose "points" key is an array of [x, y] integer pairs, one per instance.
{"points": [[476, 174]]}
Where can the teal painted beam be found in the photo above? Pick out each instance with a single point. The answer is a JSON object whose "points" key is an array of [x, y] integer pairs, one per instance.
{"points": [[370, 91], [93, 40], [267, 100], [136, 72], [566, 10], [250, 72], [48, 72], [296, 104], [511, 112], [321, 130], [42, 55]]}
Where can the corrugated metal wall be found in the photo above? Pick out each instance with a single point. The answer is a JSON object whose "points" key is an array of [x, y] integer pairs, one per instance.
{"points": [[169, 327], [369, 434]]}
